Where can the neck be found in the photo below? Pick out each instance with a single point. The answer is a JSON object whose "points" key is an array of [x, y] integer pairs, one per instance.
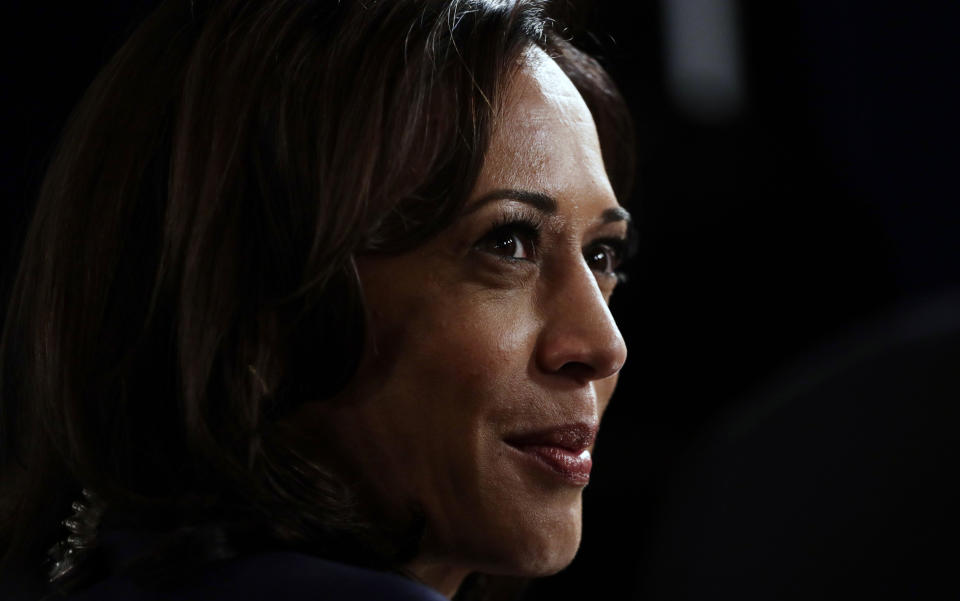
{"points": [[441, 577]]}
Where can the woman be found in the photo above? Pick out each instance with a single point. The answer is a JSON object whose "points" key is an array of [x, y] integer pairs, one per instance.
{"points": [[316, 292]]}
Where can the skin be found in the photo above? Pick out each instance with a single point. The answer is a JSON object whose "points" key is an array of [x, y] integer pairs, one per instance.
{"points": [[475, 337]]}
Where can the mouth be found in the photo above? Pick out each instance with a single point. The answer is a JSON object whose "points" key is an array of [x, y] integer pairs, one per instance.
{"points": [[561, 451]]}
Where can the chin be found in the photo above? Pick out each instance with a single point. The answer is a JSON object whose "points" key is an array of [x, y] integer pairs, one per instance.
{"points": [[546, 564], [546, 546], [542, 562], [524, 541]]}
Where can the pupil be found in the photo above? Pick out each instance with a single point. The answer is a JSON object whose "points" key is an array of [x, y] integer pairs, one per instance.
{"points": [[599, 259], [507, 243]]}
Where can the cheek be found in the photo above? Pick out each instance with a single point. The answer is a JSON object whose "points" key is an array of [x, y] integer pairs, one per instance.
{"points": [[498, 345], [473, 344]]}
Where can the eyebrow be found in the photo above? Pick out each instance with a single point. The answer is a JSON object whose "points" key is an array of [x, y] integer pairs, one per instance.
{"points": [[616, 214], [543, 203], [537, 200]]}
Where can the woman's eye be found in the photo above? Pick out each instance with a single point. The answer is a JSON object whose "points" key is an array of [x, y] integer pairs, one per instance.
{"points": [[604, 257], [511, 241]]}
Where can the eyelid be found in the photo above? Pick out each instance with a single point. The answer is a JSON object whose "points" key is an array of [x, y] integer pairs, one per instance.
{"points": [[617, 245], [515, 220], [620, 246], [518, 217], [520, 214]]}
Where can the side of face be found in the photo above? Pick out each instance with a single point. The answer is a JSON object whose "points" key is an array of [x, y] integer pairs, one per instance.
{"points": [[497, 327]]}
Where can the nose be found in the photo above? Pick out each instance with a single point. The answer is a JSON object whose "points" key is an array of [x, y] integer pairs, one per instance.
{"points": [[580, 339]]}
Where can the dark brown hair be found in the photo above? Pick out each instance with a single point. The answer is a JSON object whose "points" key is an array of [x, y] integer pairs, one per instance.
{"points": [[188, 276]]}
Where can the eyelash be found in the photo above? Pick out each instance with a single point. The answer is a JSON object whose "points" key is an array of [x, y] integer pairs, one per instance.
{"points": [[518, 222], [529, 226]]}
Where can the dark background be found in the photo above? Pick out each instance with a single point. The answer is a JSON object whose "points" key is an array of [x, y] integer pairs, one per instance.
{"points": [[784, 426]]}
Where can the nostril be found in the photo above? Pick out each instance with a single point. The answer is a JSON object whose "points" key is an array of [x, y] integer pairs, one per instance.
{"points": [[577, 370]]}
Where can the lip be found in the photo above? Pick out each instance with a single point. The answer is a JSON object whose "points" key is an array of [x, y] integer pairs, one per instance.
{"points": [[562, 451]]}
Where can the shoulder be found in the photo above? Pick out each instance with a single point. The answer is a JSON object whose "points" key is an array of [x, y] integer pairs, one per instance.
{"points": [[272, 575]]}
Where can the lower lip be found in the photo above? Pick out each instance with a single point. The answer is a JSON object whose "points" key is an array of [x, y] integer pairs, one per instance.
{"points": [[570, 466]]}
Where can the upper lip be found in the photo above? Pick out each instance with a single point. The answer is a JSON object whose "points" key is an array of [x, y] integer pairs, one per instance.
{"points": [[573, 437]]}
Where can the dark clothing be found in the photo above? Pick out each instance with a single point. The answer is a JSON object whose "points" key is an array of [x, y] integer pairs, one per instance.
{"points": [[274, 576]]}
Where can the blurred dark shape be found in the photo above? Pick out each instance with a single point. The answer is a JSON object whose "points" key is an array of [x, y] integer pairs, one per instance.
{"points": [[702, 53], [884, 89], [837, 481]]}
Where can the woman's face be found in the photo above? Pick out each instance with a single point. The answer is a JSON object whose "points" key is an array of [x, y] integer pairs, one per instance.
{"points": [[493, 353]]}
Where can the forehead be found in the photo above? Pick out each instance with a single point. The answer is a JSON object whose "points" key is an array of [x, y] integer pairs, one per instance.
{"points": [[544, 138]]}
